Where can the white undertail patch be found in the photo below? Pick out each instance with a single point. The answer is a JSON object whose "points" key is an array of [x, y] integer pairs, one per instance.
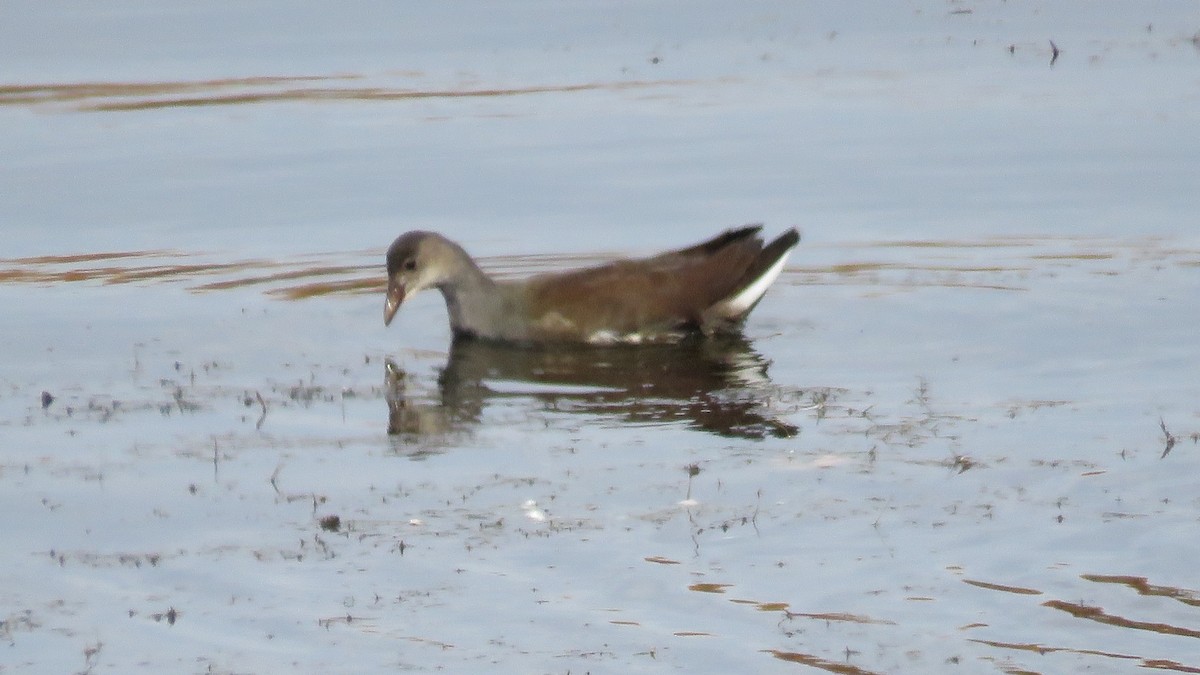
{"points": [[742, 302]]}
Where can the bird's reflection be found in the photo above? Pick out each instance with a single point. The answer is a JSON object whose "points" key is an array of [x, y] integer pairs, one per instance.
{"points": [[714, 385]]}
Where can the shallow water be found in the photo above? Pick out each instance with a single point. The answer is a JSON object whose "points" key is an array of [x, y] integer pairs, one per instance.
{"points": [[960, 435]]}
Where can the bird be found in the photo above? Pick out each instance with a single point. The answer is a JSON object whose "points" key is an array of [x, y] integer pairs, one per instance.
{"points": [[702, 290]]}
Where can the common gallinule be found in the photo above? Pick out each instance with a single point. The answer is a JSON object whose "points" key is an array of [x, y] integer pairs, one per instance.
{"points": [[703, 289]]}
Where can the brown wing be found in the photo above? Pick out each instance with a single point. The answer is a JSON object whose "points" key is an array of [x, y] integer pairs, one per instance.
{"points": [[661, 293]]}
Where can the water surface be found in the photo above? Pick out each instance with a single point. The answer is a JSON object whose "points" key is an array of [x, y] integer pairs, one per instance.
{"points": [[960, 434]]}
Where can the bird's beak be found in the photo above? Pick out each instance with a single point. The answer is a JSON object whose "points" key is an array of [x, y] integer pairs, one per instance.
{"points": [[395, 296]]}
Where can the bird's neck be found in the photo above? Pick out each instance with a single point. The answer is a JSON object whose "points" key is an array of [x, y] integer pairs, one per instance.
{"points": [[474, 301]]}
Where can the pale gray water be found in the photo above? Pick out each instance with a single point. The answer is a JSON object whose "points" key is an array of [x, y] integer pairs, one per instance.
{"points": [[939, 449]]}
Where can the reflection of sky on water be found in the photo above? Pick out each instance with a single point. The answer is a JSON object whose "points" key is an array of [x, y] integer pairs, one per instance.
{"points": [[995, 296], [899, 123]]}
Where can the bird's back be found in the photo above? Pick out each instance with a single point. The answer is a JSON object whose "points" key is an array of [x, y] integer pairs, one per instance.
{"points": [[658, 298]]}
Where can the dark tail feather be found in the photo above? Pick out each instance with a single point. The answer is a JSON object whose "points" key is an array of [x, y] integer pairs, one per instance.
{"points": [[771, 254], [757, 277], [720, 241]]}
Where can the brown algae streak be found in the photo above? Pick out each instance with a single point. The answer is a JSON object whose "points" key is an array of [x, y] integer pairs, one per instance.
{"points": [[709, 587], [25, 94], [175, 267], [134, 96], [1143, 586], [818, 662], [960, 266], [1154, 664], [1098, 615], [1001, 587]]}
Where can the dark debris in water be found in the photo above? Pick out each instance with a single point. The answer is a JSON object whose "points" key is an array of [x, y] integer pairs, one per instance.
{"points": [[169, 616], [1168, 438], [99, 560]]}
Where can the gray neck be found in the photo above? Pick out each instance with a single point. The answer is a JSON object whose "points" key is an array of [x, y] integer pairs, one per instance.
{"points": [[476, 303]]}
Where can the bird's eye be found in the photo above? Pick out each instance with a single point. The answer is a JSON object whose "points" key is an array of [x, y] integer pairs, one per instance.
{"points": [[410, 264]]}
